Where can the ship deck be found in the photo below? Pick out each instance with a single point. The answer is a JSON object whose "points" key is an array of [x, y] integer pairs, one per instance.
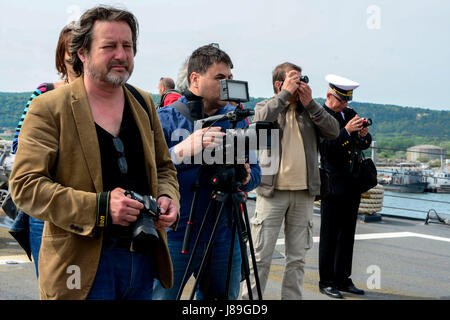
{"points": [[394, 259]]}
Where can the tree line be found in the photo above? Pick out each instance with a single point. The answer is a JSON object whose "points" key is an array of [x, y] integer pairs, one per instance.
{"points": [[394, 127]]}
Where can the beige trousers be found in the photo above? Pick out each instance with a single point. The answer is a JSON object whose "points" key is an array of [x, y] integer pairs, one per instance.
{"points": [[295, 208]]}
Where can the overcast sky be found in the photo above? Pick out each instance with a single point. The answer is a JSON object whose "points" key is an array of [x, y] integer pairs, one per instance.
{"points": [[399, 51]]}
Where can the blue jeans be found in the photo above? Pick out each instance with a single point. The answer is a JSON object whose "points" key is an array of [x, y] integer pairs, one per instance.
{"points": [[122, 275], [217, 273], [36, 227], [31, 229]]}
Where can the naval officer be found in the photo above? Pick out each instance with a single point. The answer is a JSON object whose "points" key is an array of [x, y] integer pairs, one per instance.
{"points": [[339, 209]]}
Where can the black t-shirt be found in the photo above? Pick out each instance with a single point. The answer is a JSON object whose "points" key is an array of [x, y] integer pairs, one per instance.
{"points": [[136, 178]]}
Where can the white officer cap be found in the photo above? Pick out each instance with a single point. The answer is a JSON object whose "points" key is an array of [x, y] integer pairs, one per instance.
{"points": [[342, 86]]}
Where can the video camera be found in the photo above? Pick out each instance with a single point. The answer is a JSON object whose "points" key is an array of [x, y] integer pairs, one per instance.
{"points": [[237, 143]]}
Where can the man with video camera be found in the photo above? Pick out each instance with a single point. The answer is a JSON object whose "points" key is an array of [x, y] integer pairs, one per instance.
{"points": [[206, 67], [287, 192]]}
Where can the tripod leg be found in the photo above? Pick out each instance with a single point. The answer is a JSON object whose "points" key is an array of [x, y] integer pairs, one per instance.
{"points": [[194, 250], [252, 253], [190, 223], [230, 259], [208, 250], [245, 264]]}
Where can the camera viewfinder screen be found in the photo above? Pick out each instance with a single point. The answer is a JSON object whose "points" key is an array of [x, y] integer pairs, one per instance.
{"points": [[237, 90]]}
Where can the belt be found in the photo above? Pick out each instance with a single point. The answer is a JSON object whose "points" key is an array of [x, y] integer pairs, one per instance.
{"points": [[116, 242], [116, 236]]}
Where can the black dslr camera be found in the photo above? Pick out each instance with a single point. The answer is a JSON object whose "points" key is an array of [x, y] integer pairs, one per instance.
{"points": [[304, 79], [144, 232], [366, 122]]}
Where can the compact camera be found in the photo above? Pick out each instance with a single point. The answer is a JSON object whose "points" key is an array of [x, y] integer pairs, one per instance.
{"points": [[366, 122]]}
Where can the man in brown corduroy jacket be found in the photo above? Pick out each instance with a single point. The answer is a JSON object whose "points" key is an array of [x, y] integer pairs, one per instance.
{"points": [[81, 146]]}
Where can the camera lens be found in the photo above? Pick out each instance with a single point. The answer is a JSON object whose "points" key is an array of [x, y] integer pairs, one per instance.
{"points": [[366, 122], [304, 79], [145, 235]]}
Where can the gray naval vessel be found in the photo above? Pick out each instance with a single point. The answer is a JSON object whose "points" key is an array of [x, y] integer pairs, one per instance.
{"points": [[405, 180]]}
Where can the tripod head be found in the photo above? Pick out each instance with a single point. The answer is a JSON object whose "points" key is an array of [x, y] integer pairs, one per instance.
{"points": [[228, 178], [233, 117]]}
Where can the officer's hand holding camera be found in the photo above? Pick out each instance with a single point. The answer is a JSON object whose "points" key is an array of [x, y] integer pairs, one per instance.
{"points": [[355, 124], [363, 132]]}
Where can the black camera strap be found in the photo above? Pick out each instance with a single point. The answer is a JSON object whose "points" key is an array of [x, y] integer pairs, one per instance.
{"points": [[183, 109]]}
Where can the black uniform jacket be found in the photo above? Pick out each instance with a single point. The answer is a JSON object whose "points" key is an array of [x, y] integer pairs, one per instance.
{"points": [[340, 157]]}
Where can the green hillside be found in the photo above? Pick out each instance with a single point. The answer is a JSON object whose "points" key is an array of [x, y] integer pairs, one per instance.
{"points": [[397, 128], [12, 105], [394, 127]]}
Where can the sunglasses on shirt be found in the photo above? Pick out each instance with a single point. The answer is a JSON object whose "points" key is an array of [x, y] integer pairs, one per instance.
{"points": [[122, 161]]}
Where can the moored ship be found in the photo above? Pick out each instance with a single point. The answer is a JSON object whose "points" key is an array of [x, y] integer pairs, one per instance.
{"points": [[440, 182], [405, 180]]}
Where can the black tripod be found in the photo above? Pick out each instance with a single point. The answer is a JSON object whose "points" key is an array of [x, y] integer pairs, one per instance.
{"points": [[226, 194]]}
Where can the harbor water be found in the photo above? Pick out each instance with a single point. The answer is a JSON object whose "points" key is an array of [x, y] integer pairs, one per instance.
{"points": [[415, 205]]}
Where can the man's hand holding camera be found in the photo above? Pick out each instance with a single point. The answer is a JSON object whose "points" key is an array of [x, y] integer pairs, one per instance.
{"points": [[293, 84], [304, 93], [123, 210], [169, 213]]}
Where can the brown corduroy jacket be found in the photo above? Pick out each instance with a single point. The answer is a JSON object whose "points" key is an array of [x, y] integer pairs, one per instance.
{"points": [[57, 175]]}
